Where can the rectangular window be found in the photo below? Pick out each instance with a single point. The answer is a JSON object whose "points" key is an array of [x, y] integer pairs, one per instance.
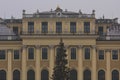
{"points": [[44, 27], [114, 54], [30, 27], [44, 53], [87, 53], [73, 53], [101, 54], [100, 30], [58, 27], [86, 27], [30, 53], [2, 54], [73, 27], [15, 30], [16, 54]]}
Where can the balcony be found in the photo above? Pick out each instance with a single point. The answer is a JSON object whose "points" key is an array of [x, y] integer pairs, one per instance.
{"points": [[9, 38]]}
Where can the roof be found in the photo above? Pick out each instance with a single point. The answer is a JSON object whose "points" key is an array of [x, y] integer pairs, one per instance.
{"points": [[4, 30]]}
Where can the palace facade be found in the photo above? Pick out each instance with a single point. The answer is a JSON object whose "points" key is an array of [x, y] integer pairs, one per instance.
{"points": [[28, 46]]}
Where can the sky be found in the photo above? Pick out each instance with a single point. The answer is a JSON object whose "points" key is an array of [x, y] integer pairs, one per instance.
{"points": [[108, 8]]}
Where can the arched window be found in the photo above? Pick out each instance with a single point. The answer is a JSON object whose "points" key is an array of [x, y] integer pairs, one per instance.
{"points": [[87, 75], [30, 75], [115, 75], [2, 75], [16, 75], [101, 75], [73, 75], [44, 75]]}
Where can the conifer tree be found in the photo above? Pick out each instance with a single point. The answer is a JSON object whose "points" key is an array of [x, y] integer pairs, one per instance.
{"points": [[61, 71]]}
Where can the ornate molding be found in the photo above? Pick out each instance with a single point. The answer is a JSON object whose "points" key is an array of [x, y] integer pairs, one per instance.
{"points": [[37, 46], [107, 50], [93, 46], [11, 50], [51, 46], [80, 46]]}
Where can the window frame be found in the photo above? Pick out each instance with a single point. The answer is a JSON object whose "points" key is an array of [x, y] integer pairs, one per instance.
{"points": [[33, 53], [115, 53], [58, 27], [73, 53], [89, 53], [87, 28], [31, 27], [101, 55], [44, 27], [5, 57], [14, 54], [73, 27], [42, 53]]}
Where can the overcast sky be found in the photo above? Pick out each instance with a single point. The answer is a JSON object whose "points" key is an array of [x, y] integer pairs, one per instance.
{"points": [[108, 8]]}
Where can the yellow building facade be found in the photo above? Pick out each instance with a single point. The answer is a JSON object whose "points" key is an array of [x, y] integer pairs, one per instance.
{"points": [[29, 47]]}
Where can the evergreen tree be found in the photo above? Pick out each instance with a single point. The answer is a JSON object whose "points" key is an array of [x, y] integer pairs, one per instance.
{"points": [[61, 71]]}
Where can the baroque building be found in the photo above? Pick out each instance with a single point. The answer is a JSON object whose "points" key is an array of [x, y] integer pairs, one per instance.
{"points": [[28, 46]]}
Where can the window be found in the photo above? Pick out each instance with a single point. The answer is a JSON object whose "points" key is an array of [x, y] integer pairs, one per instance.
{"points": [[44, 75], [30, 53], [115, 75], [58, 27], [30, 75], [16, 54], [87, 75], [86, 27], [100, 30], [2, 54], [73, 53], [101, 54], [114, 54], [15, 30], [30, 27], [44, 53], [73, 27], [16, 75], [73, 75], [44, 27], [101, 75], [2, 75], [87, 53]]}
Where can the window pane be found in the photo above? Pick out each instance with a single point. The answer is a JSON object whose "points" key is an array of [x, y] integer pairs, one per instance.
{"points": [[114, 54], [30, 27], [100, 30], [2, 54], [115, 75], [73, 27], [87, 75], [101, 54], [44, 75], [87, 53], [15, 30], [16, 75], [44, 53], [30, 53], [87, 27], [2, 75], [16, 54], [44, 27], [101, 75], [58, 27], [73, 53], [73, 75], [30, 75]]}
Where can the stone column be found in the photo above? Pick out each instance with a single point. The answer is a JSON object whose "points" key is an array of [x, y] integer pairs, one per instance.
{"points": [[108, 73], [94, 76], [24, 58], [9, 77], [80, 63], [51, 58], [38, 62]]}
